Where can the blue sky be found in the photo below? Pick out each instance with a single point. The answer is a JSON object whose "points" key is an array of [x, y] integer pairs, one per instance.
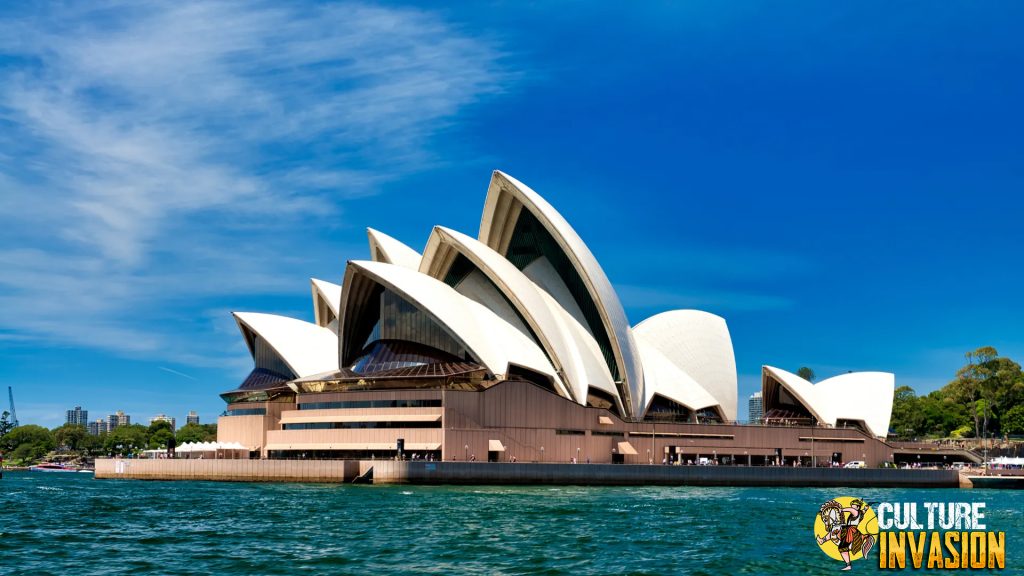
{"points": [[841, 182]]}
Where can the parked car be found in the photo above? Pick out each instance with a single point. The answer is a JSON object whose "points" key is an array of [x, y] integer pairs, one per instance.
{"points": [[855, 464]]}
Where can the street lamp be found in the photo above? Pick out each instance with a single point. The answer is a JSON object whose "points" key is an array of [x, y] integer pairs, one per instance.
{"points": [[814, 462], [577, 454], [541, 453], [467, 452]]}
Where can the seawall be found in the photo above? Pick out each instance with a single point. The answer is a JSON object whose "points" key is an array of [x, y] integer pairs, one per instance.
{"points": [[421, 472], [385, 472], [229, 470]]}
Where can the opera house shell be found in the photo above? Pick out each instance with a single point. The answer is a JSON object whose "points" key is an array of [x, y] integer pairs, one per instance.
{"points": [[525, 299], [858, 399], [508, 341]]}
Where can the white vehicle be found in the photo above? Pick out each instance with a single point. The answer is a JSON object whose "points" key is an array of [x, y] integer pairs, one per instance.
{"points": [[855, 464]]}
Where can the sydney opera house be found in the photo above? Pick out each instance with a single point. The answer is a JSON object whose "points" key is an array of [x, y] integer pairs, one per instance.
{"points": [[513, 346]]}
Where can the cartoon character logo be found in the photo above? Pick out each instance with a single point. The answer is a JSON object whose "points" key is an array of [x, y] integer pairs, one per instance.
{"points": [[845, 528]]}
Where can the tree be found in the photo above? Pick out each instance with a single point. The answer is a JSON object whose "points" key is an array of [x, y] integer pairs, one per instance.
{"points": [[982, 397], [5, 423], [1013, 420], [160, 438], [124, 440], [905, 419], [975, 385], [159, 433], [806, 373], [92, 445], [70, 436], [196, 433], [27, 443]]}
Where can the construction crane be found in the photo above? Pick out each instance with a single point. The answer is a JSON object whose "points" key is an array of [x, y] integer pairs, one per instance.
{"points": [[14, 415]]}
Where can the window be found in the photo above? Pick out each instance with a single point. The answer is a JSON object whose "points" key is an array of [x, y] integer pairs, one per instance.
{"points": [[246, 412], [664, 410], [381, 314], [530, 241], [425, 403], [354, 425]]}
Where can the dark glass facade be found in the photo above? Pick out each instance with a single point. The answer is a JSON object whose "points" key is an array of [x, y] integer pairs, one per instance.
{"points": [[664, 410], [246, 412], [382, 355], [381, 314], [268, 359], [425, 403], [355, 425], [530, 241], [462, 267]]}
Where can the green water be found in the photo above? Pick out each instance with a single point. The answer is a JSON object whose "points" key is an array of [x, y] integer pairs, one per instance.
{"points": [[72, 524]]}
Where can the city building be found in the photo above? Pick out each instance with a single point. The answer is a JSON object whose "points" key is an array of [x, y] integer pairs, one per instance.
{"points": [[98, 427], [77, 416], [163, 418], [510, 345], [118, 418], [756, 408], [192, 417]]}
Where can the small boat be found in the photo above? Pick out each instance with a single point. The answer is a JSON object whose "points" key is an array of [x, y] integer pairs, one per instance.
{"points": [[51, 467]]}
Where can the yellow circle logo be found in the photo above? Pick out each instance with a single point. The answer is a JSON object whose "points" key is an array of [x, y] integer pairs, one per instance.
{"points": [[846, 528]]}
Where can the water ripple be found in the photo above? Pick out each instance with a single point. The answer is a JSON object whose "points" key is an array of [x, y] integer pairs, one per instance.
{"points": [[56, 523]]}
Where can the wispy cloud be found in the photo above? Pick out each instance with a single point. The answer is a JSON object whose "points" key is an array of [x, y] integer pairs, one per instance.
{"points": [[155, 157], [175, 372]]}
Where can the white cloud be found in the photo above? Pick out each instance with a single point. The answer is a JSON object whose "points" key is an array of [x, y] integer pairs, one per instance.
{"points": [[175, 153]]}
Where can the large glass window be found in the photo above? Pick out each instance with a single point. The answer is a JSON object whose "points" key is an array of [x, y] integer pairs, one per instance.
{"points": [[383, 355], [387, 316], [268, 359], [530, 241], [423, 403], [351, 425], [246, 412], [664, 410]]}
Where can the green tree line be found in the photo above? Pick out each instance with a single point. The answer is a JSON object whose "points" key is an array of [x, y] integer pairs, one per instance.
{"points": [[30, 443], [986, 398]]}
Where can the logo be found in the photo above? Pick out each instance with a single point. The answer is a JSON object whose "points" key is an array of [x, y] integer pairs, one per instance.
{"points": [[845, 529]]}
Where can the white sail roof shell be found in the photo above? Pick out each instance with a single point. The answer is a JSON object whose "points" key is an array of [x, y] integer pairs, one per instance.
{"points": [[856, 396], [496, 227], [699, 344], [575, 355], [306, 348], [330, 295], [384, 248], [494, 342], [664, 378], [330, 292]]}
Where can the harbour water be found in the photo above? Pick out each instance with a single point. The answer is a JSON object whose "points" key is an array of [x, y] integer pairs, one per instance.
{"points": [[71, 523]]}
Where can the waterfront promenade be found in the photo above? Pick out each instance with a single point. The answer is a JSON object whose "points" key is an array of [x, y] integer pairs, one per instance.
{"points": [[422, 472]]}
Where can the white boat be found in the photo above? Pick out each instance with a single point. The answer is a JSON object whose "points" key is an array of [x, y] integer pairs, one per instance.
{"points": [[51, 467]]}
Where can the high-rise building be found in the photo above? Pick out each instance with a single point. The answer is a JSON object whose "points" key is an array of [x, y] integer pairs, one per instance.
{"points": [[118, 418], [756, 404], [163, 418], [78, 416], [98, 427], [192, 417]]}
